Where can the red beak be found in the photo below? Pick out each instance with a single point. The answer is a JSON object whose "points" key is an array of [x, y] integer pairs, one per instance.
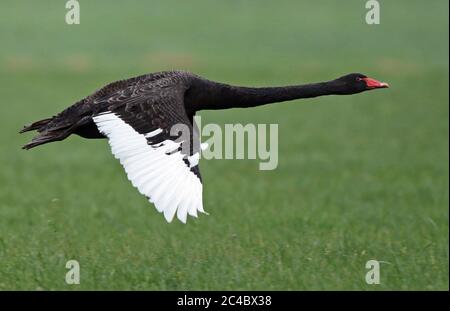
{"points": [[375, 84]]}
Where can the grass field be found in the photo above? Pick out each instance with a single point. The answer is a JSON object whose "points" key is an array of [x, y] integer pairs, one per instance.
{"points": [[360, 177]]}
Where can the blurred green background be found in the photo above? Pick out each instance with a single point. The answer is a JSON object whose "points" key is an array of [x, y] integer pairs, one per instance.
{"points": [[360, 177]]}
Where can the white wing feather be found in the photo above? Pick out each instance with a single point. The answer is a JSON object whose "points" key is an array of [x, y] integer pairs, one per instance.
{"points": [[164, 178]]}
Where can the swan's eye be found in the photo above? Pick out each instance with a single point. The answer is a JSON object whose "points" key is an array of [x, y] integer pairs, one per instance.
{"points": [[358, 79]]}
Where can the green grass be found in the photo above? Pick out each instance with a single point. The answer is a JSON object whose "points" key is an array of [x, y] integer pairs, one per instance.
{"points": [[360, 177]]}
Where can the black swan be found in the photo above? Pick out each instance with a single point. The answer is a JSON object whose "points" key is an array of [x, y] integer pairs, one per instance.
{"points": [[136, 115]]}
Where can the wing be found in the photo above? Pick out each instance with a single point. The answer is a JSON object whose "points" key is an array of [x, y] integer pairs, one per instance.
{"points": [[162, 165]]}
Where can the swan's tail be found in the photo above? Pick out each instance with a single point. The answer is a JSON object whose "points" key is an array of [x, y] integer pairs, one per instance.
{"points": [[46, 134], [36, 125]]}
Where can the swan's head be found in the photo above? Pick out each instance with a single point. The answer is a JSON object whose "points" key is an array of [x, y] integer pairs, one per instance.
{"points": [[356, 83]]}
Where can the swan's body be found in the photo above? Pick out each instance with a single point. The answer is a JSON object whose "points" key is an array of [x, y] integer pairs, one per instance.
{"points": [[136, 115]]}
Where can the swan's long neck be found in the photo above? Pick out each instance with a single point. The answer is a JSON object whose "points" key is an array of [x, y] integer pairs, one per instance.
{"points": [[213, 95]]}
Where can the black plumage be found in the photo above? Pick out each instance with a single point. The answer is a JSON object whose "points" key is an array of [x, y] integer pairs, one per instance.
{"points": [[158, 101]]}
